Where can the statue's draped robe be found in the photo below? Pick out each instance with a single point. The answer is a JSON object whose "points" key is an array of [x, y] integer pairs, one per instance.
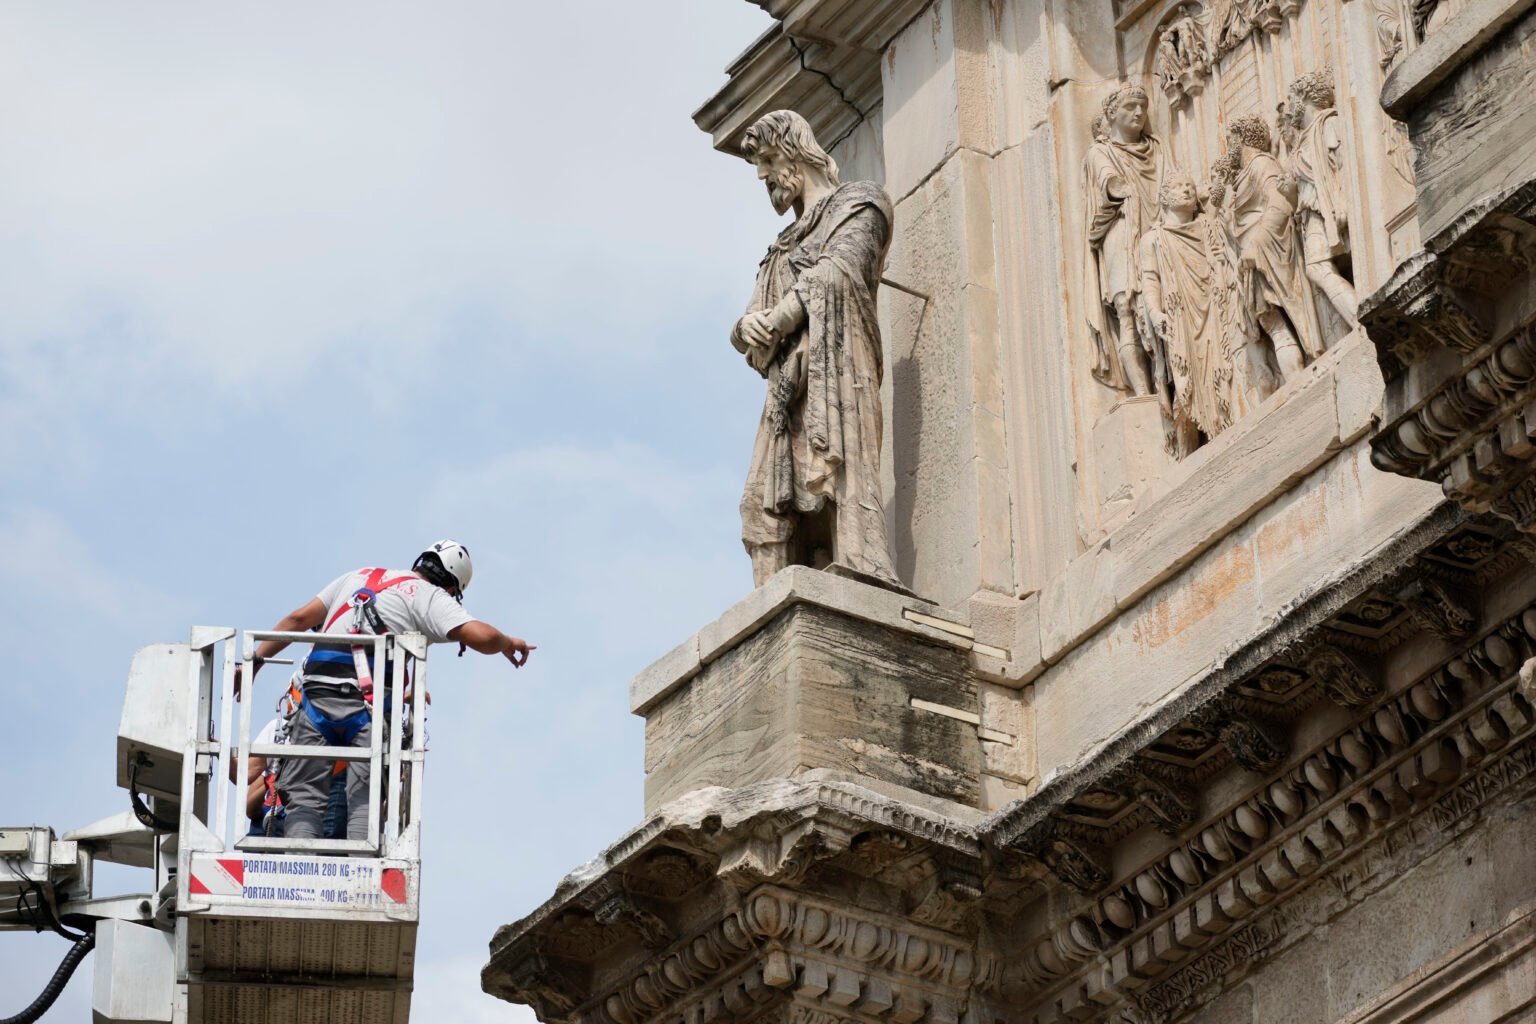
{"points": [[1188, 262], [1112, 230], [1262, 227], [819, 438], [1319, 176]]}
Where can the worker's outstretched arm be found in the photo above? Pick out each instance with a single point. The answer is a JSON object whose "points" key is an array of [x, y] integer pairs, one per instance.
{"points": [[485, 638], [296, 621]]}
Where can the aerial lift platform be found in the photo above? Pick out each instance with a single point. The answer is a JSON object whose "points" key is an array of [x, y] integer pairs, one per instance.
{"points": [[238, 928]]}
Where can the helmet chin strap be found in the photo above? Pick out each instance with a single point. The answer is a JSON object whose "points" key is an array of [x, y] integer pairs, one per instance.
{"points": [[430, 569]]}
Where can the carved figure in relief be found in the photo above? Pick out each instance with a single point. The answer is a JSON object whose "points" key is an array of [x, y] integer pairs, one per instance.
{"points": [[1262, 203], [1429, 15], [1322, 202], [1183, 58], [1168, 66], [1231, 23], [1121, 173], [1190, 34], [813, 490], [1389, 30], [1183, 266], [1288, 129]]}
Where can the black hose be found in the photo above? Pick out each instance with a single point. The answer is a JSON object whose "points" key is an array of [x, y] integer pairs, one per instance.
{"points": [[148, 818], [55, 986]]}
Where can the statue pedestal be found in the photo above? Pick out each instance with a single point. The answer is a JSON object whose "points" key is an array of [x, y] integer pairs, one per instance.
{"points": [[1128, 456], [817, 673]]}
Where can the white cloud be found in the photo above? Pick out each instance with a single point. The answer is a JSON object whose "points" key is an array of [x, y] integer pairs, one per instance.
{"points": [[209, 216], [64, 590]]}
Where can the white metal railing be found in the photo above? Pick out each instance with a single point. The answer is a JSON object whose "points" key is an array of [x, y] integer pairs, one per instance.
{"points": [[395, 770]]}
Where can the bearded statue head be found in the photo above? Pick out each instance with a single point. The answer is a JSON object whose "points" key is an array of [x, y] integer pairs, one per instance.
{"points": [[784, 148]]}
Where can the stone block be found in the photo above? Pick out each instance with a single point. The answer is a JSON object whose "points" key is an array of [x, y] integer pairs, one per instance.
{"points": [[830, 678], [998, 792], [1007, 733], [1469, 115], [1128, 456], [994, 618], [1020, 72], [673, 668], [1078, 600], [949, 502], [1147, 654], [1358, 386], [1238, 473], [1012, 627], [921, 99], [1032, 320]]}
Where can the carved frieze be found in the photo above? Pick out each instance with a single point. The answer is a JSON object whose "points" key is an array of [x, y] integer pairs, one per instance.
{"points": [[1235, 216], [1342, 678], [1440, 748]]}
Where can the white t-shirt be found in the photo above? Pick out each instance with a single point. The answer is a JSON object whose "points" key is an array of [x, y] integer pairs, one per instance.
{"points": [[411, 606]]}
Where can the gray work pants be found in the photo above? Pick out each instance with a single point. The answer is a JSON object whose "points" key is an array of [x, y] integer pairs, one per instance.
{"points": [[305, 785]]}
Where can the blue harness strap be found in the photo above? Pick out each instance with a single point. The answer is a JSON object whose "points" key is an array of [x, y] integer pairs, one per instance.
{"points": [[338, 732]]}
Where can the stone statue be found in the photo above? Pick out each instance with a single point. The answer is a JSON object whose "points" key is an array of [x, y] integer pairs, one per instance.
{"points": [[813, 490], [1121, 175], [1322, 201], [1273, 287], [1183, 267]]}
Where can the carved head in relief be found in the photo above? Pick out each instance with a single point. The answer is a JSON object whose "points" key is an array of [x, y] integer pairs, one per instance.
{"points": [[1313, 91], [1249, 131], [1178, 194], [1125, 110], [785, 151]]}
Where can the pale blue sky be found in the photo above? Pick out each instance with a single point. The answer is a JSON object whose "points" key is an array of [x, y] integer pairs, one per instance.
{"points": [[480, 241]]}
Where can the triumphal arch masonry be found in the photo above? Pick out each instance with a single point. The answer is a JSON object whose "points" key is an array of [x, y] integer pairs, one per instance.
{"points": [[1159, 645]]}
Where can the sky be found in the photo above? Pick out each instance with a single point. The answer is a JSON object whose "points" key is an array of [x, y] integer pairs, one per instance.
{"points": [[475, 247]]}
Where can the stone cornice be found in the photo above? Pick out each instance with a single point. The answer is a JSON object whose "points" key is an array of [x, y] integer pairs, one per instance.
{"points": [[822, 59], [1455, 328], [832, 85], [1307, 641], [1448, 294], [867, 25]]}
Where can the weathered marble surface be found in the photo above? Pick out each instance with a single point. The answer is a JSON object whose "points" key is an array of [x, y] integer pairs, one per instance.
{"points": [[1267, 677], [817, 675], [1118, 891]]}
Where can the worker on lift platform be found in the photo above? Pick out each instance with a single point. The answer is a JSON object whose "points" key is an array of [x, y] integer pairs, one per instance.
{"points": [[336, 705]]}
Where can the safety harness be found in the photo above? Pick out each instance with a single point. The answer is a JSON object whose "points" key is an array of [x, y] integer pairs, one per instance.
{"points": [[340, 732]]}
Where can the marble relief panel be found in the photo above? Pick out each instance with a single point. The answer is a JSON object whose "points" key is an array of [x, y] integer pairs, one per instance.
{"points": [[1241, 191]]}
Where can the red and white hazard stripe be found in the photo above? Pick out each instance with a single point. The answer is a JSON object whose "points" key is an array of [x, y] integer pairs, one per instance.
{"points": [[220, 877]]}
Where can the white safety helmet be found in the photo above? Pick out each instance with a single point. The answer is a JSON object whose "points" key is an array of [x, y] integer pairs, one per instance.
{"points": [[453, 557]]}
